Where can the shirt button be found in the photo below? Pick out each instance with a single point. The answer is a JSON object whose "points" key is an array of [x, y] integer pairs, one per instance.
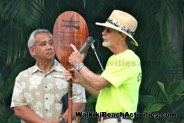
{"points": [[45, 86], [46, 109], [46, 98]]}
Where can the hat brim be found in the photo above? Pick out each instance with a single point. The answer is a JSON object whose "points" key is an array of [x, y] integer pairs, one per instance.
{"points": [[134, 42]]}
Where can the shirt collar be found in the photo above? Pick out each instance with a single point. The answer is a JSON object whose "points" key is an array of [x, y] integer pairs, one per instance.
{"points": [[56, 67]]}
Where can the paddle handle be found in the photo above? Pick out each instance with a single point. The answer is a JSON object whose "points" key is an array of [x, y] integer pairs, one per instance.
{"points": [[70, 101]]}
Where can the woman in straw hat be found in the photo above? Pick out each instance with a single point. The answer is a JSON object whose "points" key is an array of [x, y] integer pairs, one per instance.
{"points": [[118, 85]]}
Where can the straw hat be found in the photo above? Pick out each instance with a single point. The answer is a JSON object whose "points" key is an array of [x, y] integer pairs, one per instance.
{"points": [[123, 22]]}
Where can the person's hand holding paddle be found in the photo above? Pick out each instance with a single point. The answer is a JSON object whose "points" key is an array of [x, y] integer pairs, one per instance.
{"points": [[74, 75]]}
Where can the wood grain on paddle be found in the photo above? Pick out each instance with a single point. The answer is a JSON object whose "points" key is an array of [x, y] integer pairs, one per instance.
{"points": [[69, 28]]}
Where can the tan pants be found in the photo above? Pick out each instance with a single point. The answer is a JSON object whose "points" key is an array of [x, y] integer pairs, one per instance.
{"points": [[114, 120]]}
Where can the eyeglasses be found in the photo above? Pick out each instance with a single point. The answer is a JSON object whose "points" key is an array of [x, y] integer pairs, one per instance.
{"points": [[108, 30]]}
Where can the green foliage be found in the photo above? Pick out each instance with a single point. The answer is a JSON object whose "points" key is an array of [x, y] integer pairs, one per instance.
{"points": [[13, 119], [17, 18], [6, 88], [27, 13], [161, 53], [169, 101]]}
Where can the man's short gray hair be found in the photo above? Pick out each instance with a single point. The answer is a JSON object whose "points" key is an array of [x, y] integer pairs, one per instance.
{"points": [[31, 41]]}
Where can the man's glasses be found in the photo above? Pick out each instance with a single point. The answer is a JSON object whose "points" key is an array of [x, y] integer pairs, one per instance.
{"points": [[108, 30]]}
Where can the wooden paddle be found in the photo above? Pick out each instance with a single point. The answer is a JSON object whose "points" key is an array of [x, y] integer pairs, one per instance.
{"points": [[69, 28]]}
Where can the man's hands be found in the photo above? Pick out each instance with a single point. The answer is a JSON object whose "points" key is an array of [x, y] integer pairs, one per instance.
{"points": [[74, 75], [75, 58]]}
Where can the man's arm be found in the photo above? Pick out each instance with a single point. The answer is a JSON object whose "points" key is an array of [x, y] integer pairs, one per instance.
{"points": [[89, 88], [77, 78], [76, 107], [94, 80], [28, 115]]}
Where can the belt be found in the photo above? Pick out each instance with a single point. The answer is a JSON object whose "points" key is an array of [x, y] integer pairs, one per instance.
{"points": [[118, 118]]}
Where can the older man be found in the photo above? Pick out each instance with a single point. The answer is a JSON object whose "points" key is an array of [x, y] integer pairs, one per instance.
{"points": [[118, 85]]}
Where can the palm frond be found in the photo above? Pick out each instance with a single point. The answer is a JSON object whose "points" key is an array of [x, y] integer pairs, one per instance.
{"points": [[160, 37], [171, 18], [27, 13], [18, 16]]}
